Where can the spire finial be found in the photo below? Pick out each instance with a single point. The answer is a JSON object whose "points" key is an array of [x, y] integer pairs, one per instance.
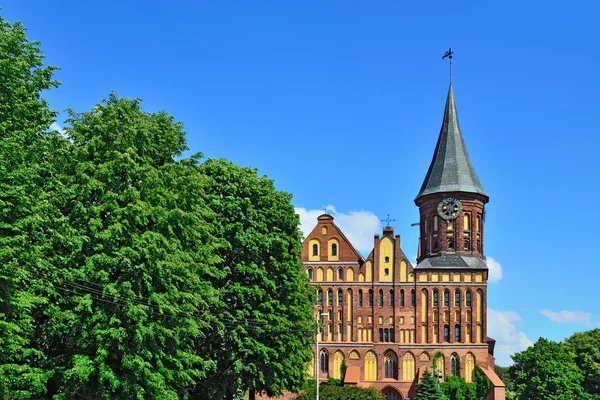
{"points": [[387, 220], [449, 55]]}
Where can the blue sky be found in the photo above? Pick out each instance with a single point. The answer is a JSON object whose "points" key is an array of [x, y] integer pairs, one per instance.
{"points": [[340, 102]]}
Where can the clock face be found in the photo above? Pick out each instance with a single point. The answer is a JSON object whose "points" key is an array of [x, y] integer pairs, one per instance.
{"points": [[449, 208]]}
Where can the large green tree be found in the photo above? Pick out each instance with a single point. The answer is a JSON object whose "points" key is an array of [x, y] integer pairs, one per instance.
{"points": [[26, 185], [586, 348], [131, 274], [547, 370], [266, 324]]}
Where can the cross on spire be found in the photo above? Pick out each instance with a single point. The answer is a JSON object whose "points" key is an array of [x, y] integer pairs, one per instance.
{"points": [[387, 220], [449, 55]]}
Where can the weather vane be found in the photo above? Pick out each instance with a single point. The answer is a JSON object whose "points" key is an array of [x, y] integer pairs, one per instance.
{"points": [[388, 220], [449, 55]]}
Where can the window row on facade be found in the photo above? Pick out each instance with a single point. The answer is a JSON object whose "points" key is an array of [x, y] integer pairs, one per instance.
{"points": [[390, 367], [382, 301], [319, 274], [450, 334]]}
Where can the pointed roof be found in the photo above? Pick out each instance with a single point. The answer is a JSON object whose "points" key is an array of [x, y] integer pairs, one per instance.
{"points": [[451, 169]]}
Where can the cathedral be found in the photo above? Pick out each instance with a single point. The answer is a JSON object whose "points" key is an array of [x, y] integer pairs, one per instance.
{"points": [[390, 320]]}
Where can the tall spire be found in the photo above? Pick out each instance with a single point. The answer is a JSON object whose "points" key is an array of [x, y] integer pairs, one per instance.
{"points": [[451, 169]]}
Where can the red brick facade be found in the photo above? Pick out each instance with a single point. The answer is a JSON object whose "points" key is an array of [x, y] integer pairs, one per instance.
{"points": [[415, 331]]}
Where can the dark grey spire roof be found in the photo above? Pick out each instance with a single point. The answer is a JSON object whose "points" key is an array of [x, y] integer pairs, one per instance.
{"points": [[451, 169]]}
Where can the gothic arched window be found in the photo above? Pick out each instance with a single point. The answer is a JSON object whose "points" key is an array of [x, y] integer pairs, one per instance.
{"points": [[330, 297], [324, 361], [401, 297], [435, 298], [457, 333], [380, 298], [310, 274], [455, 365], [391, 366], [392, 298], [370, 297], [446, 333], [469, 300], [340, 274], [412, 298], [320, 297], [446, 298], [360, 299], [457, 298], [340, 297]]}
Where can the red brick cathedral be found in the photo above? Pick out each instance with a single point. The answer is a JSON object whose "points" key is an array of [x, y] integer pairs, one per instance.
{"points": [[390, 320]]}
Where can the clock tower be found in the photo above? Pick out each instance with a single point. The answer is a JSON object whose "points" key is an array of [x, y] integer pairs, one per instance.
{"points": [[452, 200]]}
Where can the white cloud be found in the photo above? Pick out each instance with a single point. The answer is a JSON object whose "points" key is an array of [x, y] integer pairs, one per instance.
{"points": [[495, 270], [358, 226], [502, 326], [568, 317]]}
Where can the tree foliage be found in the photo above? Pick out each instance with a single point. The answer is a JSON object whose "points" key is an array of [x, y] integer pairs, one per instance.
{"points": [[333, 392], [586, 348], [266, 325], [25, 187], [132, 271], [547, 370], [429, 388]]}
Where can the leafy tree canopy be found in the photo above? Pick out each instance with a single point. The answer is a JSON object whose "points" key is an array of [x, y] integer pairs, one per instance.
{"points": [[25, 186], [131, 273], [547, 370], [334, 392], [266, 325], [586, 348]]}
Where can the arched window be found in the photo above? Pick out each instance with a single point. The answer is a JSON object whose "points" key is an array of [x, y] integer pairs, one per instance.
{"points": [[478, 227], [330, 297], [457, 333], [340, 297], [446, 333], [435, 223], [446, 298], [467, 245], [413, 298], [469, 300], [401, 297], [466, 222], [450, 225], [315, 249], [320, 297], [334, 249], [324, 361], [435, 298], [370, 297], [310, 274], [340, 274], [479, 245], [392, 298], [455, 365], [391, 366], [380, 298], [387, 259], [360, 299], [457, 298], [450, 243]]}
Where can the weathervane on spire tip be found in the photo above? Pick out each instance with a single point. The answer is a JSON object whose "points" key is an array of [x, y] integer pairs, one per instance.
{"points": [[449, 55]]}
